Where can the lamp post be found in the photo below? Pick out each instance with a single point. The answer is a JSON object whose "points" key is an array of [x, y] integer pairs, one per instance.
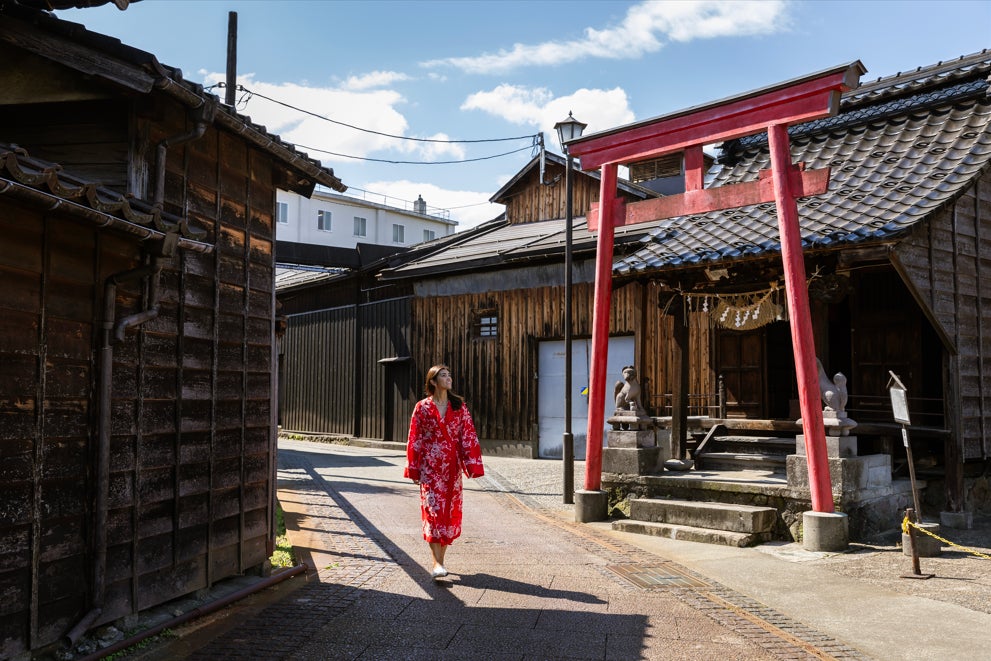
{"points": [[567, 130]]}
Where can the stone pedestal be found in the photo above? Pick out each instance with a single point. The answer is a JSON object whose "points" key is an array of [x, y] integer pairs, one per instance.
{"points": [[852, 478], [633, 452], [957, 520], [590, 505], [836, 446], [825, 531]]}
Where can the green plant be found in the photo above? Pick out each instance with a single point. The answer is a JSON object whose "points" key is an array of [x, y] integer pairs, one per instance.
{"points": [[283, 555]]}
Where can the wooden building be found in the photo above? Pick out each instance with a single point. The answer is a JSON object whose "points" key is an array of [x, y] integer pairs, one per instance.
{"points": [[137, 422], [896, 252]]}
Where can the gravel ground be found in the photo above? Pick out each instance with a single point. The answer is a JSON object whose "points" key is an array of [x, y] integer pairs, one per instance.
{"points": [[960, 577]]}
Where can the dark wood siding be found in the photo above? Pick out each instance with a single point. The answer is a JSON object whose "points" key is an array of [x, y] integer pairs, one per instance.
{"points": [[334, 380], [497, 374], [948, 261], [192, 456]]}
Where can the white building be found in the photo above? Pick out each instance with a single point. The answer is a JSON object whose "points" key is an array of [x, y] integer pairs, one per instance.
{"points": [[343, 221]]}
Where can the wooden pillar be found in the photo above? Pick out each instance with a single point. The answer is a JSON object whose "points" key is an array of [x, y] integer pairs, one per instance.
{"points": [[600, 328], [802, 340], [680, 365]]}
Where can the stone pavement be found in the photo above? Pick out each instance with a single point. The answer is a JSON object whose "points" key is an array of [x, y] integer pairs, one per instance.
{"points": [[528, 583]]}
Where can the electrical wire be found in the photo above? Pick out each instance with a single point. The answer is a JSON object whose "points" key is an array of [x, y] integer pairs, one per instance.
{"points": [[394, 162], [242, 88]]}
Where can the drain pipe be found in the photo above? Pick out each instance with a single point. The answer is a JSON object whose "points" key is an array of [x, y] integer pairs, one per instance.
{"points": [[106, 360], [199, 611], [163, 247]]}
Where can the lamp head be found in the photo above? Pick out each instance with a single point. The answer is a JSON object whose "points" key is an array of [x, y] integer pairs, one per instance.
{"points": [[569, 129]]}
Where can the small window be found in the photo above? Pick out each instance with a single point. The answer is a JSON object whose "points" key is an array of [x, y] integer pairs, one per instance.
{"points": [[399, 234], [323, 220], [360, 226], [486, 324], [282, 212], [429, 235]]}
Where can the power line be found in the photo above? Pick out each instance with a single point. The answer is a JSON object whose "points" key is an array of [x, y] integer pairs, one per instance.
{"points": [[251, 93], [385, 160]]}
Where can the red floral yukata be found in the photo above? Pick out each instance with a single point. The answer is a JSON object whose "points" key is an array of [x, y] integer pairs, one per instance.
{"points": [[436, 454]]}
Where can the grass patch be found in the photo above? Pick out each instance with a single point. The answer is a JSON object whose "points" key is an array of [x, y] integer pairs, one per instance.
{"points": [[283, 555]]}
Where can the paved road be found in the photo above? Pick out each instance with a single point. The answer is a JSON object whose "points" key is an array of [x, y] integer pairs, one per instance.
{"points": [[525, 583]]}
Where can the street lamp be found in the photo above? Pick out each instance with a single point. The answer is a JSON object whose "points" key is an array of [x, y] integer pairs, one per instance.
{"points": [[567, 130]]}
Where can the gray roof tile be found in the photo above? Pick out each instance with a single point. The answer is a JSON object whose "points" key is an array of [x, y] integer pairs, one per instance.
{"points": [[893, 158]]}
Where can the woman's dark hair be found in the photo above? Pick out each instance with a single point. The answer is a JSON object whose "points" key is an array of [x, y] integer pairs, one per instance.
{"points": [[455, 399]]}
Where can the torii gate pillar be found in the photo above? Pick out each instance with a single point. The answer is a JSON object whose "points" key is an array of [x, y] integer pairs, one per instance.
{"points": [[772, 109]]}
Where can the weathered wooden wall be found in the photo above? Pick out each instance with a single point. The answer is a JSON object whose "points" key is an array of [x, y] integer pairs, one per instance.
{"points": [[496, 375], [949, 263], [544, 202], [192, 456], [347, 371]]}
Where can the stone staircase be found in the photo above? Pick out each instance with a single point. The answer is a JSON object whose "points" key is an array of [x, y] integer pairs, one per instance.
{"points": [[695, 521], [742, 445]]}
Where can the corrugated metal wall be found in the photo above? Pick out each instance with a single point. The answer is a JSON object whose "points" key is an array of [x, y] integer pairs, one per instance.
{"points": [[329, 356]]}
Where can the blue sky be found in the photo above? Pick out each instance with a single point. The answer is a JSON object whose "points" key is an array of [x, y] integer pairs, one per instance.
{"points": [[461, 70]]}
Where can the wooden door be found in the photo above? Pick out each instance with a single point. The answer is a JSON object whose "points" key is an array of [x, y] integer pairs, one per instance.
{"points": [[885, 335], [741, 363]]}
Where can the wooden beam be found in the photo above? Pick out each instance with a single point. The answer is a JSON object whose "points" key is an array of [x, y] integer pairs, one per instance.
{"points": [[804, 183], [792, 102]]}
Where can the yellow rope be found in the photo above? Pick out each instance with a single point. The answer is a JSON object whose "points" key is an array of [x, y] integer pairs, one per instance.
{"points": [[906, 523]]}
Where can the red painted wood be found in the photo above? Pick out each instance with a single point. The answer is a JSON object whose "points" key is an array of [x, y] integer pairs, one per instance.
{"points": [[802, 183], [694, 168], [809, 397], [600, 329], [805, 100]]}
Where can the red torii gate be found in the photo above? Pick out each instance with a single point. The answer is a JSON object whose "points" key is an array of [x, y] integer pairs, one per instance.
{"points": [[772, 109]]}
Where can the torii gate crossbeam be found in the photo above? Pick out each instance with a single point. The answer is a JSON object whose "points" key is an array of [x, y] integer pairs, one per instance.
{"points": [[770, 109]]}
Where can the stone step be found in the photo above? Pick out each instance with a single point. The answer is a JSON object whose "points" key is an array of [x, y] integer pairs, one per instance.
{"points": [[768, 444], [740, 461], [691, 533], [727, 517]]}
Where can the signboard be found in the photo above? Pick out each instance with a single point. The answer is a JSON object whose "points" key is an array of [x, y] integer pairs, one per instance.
{"points": [[899, 399]]}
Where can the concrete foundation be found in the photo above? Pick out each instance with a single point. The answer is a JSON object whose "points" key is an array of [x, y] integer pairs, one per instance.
{"points": [[929, 547], [825, 531], [836, 446], [957, 520], [590, 505]]}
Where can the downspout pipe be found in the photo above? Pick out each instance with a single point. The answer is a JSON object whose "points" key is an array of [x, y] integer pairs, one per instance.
{"points": [[106, 360], [204, 117]]}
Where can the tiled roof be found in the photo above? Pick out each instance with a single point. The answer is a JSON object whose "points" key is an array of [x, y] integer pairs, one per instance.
{"points": [[44, 34], [46, 183], [901, 148], [289, 276]]}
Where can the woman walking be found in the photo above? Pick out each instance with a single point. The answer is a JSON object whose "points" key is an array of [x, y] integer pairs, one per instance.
{"points": [[442, 444]]}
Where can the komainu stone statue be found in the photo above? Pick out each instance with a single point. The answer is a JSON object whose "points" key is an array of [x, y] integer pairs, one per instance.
{"points": [[629, 413], [834, 398], [627, 391]]}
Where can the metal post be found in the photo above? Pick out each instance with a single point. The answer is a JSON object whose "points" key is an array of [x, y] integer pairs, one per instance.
{"points": [[911, 474], [230, 95], [569, 440]]}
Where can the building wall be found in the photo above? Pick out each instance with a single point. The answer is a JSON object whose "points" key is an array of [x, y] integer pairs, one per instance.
{"points": [[948, 260], [192, 455], [302, 226]]}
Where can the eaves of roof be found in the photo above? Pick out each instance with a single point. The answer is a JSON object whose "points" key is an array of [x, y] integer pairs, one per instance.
{"points": [[106, 58], [45, 184], [892, 163]]}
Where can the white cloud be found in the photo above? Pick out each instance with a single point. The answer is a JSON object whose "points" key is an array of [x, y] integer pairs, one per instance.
{"points": [[469, 208], [598, 108], [642, 31], [374, 110], [374, 79]]}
